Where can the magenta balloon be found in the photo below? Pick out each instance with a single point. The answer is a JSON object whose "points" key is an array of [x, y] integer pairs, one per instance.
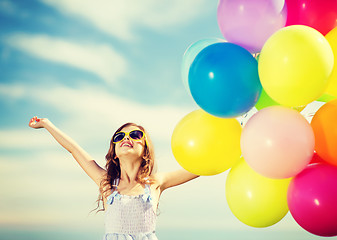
{"points": [[312, 199], [249, 23], [277, 142], [318, 14]]}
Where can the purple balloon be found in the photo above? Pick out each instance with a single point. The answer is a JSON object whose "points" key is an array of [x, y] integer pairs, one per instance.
{"points": [[312, 199], [249, 23]]}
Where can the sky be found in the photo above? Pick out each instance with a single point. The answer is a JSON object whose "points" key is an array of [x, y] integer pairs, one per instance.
{"points": [[90, 66]]}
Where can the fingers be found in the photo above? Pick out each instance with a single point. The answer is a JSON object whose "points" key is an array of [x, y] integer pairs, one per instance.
{"points": [[33, 121]]}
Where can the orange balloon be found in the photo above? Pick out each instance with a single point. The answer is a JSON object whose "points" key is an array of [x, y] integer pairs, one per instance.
{"points": [[324, 124]]}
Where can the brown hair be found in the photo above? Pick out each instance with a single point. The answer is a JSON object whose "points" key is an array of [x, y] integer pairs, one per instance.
{"points": [[112, 166]]}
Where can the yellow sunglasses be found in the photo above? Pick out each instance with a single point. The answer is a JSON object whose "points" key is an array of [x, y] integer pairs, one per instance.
{"points": [[136, 135]]}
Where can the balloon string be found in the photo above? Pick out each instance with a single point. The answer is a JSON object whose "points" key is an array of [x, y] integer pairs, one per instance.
{"points": [[243, 117]]}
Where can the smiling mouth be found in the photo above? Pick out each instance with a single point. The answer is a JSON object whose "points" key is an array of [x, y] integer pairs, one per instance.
{"points": [[126, 144]]}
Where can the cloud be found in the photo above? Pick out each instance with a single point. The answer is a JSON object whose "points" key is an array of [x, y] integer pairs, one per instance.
{"points": [[90, 107], [23, 139], [121, 18], [99, 59], [44, 187]]}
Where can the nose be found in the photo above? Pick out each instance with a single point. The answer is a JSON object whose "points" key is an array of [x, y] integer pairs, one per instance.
{"points": [[126, 137]]}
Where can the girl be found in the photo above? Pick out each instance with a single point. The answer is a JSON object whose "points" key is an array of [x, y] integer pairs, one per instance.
{"points": [[129, 186]]}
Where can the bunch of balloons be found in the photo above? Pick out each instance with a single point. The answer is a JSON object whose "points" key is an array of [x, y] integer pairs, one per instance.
{"points": [[277, 56]]}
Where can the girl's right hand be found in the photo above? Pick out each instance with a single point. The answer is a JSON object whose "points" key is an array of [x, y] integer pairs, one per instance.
{"points": [[36, 122]]}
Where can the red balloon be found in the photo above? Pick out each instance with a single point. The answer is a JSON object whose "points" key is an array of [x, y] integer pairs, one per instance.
{"points": [[312, 198], [318, 14], [316, 159]]}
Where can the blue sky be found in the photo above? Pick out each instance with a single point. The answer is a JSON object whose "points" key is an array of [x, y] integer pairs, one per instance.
{"points": [[90, 66]]}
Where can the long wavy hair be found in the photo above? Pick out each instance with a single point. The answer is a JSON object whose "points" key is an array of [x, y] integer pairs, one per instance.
{"points": [[113, 170]]}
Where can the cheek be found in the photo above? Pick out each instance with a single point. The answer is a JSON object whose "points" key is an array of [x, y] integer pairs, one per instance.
{"points": [[139, 148], [117, 150]]}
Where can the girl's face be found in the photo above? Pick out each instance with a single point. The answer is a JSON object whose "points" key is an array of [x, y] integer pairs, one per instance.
{"points": [[128, 146]]}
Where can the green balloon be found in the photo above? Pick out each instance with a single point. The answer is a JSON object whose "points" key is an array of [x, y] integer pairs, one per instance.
{"points": [[265, 101], [326, 98]]}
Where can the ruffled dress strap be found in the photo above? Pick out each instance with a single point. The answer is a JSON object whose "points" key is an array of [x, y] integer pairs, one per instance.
{"points": [[114, 194], [147, 194]]}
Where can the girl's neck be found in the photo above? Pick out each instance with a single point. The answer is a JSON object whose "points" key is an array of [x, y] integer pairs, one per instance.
{"points": [[129, 170]]}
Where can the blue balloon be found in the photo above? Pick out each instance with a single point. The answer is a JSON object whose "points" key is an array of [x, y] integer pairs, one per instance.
{"points": [[224, 80]]}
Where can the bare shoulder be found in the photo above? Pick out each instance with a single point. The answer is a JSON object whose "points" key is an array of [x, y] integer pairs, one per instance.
{"points": [[157, 180], [158, 177]]}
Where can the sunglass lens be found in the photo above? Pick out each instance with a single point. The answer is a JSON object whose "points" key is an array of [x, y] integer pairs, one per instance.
{"points": [[136, 134], [118, 137]]}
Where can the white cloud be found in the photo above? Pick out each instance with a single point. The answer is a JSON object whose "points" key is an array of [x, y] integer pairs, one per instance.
{"points": [[101, 60], [120, 18], [90, 115], [43, 188], [90, 107], [23, 139]]}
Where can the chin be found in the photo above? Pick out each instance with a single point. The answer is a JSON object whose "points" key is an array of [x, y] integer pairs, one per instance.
{"points": [[128, 153]]}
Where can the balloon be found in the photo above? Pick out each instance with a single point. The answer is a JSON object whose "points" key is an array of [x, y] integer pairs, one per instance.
{"points": [[332, 39], [254, 199], [325, 130], [326, 98], [224, 81], [190, 54], [295, 64], [266, 101], [316, 159], [206, 145], [312, 197], [249, 23], [318, 14], [277, 142]]}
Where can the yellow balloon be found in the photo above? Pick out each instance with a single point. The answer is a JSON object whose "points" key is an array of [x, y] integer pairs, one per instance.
{"points": [[295, 64], [254, 199], [206, 145], [332, 39]]}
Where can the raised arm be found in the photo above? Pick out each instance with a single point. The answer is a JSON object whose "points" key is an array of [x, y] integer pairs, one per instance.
{"points": [[171, 179], [94, 171]]}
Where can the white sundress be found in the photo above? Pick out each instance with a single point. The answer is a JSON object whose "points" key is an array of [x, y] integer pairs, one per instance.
{"points": [[130, 217]]}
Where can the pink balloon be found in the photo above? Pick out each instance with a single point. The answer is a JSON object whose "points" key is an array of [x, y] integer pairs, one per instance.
{"points": [[277, 142], [312, 199], [249, 23], [318, 14]]}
